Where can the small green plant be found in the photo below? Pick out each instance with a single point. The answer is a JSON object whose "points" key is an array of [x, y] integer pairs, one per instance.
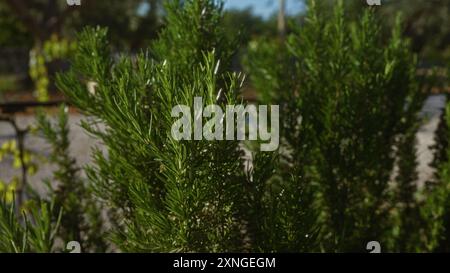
{"points": [[71, 214], [82, 220], [34, 231]]}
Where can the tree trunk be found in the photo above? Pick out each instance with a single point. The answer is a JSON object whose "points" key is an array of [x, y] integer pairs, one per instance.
{"points": [[282, 19]]}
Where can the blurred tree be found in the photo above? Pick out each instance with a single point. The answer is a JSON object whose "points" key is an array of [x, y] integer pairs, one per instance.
{"points": [[42, 24], [12, 31], [130, 22], [40, 18], [247, 24], [426, 23]]}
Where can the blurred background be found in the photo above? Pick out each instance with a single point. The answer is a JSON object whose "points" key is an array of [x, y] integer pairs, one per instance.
{"points": [[37, 37]]}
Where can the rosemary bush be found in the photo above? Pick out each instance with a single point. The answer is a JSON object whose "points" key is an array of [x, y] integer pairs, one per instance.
{"points": [[350, 105], [166, 195], [345, 173]]}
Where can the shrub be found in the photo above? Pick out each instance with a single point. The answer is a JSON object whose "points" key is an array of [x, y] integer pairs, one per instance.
{"points": [[350, 113], [167, 195]]}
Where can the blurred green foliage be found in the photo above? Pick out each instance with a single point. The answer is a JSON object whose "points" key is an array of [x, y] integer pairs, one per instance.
{"points": [[52, 50], [31, 23], [426, 23], [8, 83], [12, 31]]}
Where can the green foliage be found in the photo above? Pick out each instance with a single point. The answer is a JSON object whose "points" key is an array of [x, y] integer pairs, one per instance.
{"points": [[352, 103], [35, 231], [82, 220], [192, 29], [22, 159], [172, 196], [43, 223], [180, 195], [248, 25], [132, 24], [10, 150], [437, 207], [345, 173], [12, 32], [8, 83], [427, 23], [53, 49]]}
